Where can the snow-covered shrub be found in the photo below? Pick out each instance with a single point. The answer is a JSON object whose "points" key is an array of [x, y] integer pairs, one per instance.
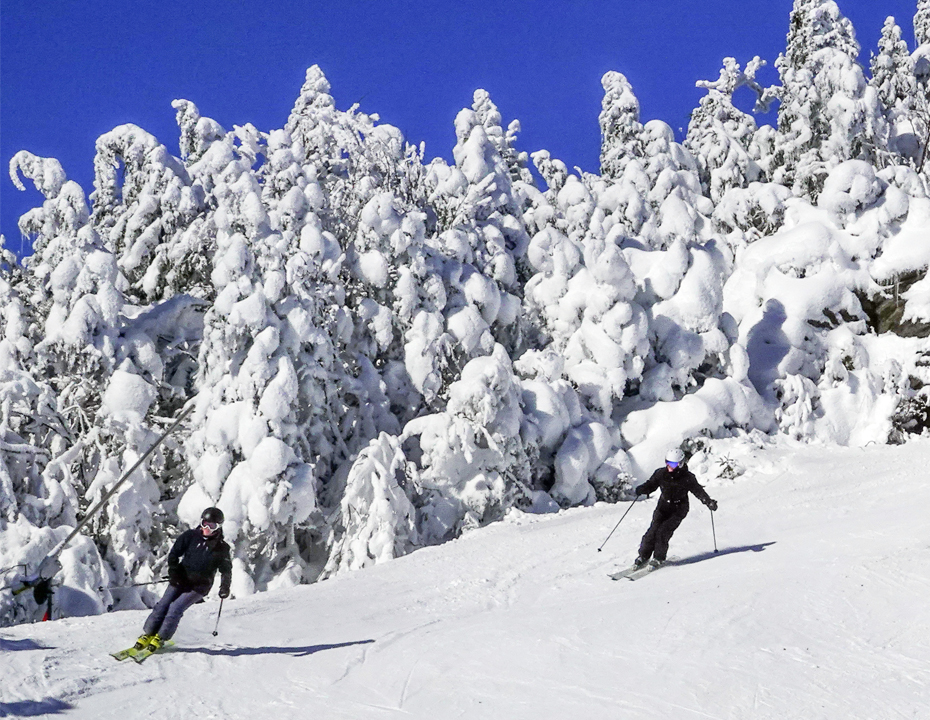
{"points": [[756, 211], [76, 587], [583, 451], [911, 416], [472, 464], [849, 188], [718, 407], [376, 519]]}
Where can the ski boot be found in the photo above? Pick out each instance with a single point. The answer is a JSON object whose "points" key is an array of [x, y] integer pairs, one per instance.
{"points": [[155, 642], [142, 642], [640, 562], [656, 563]]}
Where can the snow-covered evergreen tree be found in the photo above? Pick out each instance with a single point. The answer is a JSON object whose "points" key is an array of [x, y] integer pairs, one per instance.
{"points": [[680, 210], [265, 365], [922, 23], [480, 232], [33, 435], [892, 68], [581, 300], [917, 149], [472, 465], [377, 520], [828, 114], [105, 368], [152, 200], [894, 79], [621, 131], [552, 170], [71, 285], [179, 263], [719, 135]]}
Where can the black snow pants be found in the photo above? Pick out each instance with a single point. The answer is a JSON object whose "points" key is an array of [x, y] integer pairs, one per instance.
{"points": [[167, 613], [665, 521]]}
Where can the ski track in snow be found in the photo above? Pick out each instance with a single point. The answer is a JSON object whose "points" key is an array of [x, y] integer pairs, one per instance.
{"points": [[815, 607]]}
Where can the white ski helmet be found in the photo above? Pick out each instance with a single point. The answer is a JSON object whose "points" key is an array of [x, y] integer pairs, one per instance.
{"points": [[675, 455]]}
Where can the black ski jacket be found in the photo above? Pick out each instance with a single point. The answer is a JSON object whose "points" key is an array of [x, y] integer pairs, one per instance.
{"points": [[675, 486], [194, 560]]}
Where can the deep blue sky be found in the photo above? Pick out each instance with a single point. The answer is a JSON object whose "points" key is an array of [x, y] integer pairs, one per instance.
{"points": [[70, 71]]}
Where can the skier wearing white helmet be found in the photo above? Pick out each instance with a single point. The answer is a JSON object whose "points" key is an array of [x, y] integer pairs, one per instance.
{"points": [[675, 482]]}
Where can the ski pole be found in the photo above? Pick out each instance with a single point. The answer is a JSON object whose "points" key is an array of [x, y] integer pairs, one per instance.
{"points": [[618, 522], [713, 530], [216, 630], [50, 564], [123, 587]]}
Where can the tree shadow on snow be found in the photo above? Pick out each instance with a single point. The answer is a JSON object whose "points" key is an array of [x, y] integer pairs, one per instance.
{"points": [[767, 345], [725, 551], [13, 645], [33, 708], [295, 651]]}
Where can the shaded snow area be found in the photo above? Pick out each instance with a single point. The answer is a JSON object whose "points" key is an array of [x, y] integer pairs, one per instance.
{"points": [[814, 607]]}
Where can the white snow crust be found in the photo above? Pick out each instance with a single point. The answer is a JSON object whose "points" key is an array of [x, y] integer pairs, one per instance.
{"points": [[814, 607]]}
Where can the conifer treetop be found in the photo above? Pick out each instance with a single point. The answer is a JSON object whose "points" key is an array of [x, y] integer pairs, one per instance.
{"points": [[922, 23]]}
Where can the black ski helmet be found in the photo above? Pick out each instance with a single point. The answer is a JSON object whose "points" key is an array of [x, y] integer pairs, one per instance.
{"points": [[212, 514]]}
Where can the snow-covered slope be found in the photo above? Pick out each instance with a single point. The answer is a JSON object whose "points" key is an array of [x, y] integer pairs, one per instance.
{"points": [[815, 607]]}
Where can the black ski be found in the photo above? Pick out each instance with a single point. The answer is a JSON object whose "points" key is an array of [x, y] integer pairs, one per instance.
{"points": [[635, 573]]}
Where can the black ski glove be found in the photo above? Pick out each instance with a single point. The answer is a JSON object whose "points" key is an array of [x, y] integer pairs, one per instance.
{"points": [[224, 593], [177, 576], [638, 490], [712, 504]]}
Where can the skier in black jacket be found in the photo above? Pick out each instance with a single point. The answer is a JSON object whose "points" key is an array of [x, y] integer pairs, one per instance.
{"points": [[675, 481], [192, 564]]}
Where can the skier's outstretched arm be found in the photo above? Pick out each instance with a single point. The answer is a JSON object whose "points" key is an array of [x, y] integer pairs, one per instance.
{"points": [[701, 494], [651, 485]]}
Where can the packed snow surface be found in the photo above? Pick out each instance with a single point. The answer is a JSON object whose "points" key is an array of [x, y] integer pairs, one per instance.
{"points": [[815, 606]]}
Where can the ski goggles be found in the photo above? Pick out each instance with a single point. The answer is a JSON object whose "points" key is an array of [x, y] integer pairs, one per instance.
{"points": [[210, 527], [671, 465]]}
